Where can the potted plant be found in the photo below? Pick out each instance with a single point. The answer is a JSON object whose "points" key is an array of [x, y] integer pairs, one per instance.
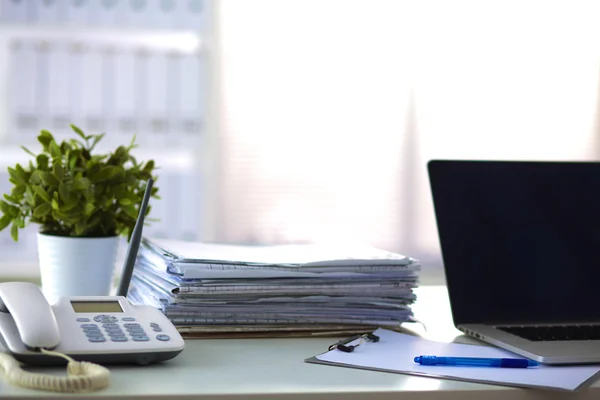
{"points": [[83, 202]]}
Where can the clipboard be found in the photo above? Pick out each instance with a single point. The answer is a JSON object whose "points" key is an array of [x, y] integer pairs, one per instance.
{"points": [[394, 352]]}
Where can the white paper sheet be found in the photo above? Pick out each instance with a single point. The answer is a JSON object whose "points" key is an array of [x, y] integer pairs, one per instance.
{"points": [[310, 254], [395, 352]]}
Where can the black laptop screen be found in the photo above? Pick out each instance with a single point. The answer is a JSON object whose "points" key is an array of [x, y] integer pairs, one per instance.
{"points": [[520, 240]]}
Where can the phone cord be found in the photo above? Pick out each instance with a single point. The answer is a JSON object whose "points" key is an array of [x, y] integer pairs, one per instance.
{"points": [[81, 376]]}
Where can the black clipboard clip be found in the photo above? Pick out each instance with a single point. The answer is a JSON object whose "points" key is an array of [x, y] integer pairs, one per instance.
{"points": [[343, 344]]}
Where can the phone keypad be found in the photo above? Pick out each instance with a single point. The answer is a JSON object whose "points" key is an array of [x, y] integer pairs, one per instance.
{"points": [[93, 333], [109, 328]]}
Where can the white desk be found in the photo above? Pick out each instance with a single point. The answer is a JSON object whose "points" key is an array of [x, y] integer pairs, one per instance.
{"points": [[252, 369]]}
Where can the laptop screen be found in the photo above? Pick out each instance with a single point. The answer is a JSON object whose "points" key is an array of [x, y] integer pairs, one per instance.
{"points": [[520, 240]]}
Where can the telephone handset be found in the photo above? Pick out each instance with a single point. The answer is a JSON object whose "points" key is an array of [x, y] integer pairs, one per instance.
{"points": [[82, 330], [31, 315]]}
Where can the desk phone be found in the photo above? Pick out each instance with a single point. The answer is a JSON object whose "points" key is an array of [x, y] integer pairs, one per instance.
{"points": [[101, 329]]}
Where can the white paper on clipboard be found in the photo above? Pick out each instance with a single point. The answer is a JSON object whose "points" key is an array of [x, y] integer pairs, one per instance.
{"points": [[395, 352]]}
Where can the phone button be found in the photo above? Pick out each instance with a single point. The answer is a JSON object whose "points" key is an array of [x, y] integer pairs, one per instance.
{"points": [[140, 338], [119, 338], [97, 339], [163, 338], [82, 320], [128, 319], [105, 318]]}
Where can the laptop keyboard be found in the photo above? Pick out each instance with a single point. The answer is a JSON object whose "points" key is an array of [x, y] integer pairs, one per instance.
{"points": [[559, 332]]}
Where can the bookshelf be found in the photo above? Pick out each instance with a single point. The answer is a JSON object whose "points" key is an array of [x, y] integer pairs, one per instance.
{"points": [[123, 67]]}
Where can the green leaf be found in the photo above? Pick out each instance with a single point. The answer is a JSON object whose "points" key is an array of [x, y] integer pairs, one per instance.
{"points": [[64, 192], [55, 150], [4, 207], [55, 205], [14, 211], [106, 173], [21, 172], [18, 191], [97, 138], [49, 179], [15, 175], [132, 144], [42, 161], [85, 154], [35, 178], [42, 210], [68, 206], [5, 221], [10, 198], [28, 151], [65, 147], [14, 231], [72, 162], [89, 209], [81, 184], [41, 192], [45, 138], [94, 222], [98, 159], [29, 196], [130, 211], [59, 171], [67, 219], [78, 131], [80, 228], [149, 167]]}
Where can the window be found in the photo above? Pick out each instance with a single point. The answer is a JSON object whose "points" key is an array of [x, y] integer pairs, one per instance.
{"points": [[332, 108], [321, 115]]}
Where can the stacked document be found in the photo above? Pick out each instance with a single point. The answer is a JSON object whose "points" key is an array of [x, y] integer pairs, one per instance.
{"points": [[220, 288]]}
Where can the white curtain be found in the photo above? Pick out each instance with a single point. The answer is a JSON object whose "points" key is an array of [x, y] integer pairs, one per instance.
{"points": [[330, 109]]}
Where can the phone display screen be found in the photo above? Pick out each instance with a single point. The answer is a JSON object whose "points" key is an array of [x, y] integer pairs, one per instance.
{"points": [[96, 306]]}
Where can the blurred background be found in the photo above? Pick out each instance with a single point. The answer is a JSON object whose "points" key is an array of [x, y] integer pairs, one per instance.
{"points": [[286, 121]]}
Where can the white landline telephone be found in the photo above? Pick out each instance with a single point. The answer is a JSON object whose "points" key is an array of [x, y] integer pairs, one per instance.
{"points": [[84, 330]]}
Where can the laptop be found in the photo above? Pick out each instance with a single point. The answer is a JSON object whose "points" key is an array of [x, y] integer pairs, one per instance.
{"points": [[520, 243]]}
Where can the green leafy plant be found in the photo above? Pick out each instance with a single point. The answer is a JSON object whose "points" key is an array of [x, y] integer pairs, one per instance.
{"points": [[69, 191]]}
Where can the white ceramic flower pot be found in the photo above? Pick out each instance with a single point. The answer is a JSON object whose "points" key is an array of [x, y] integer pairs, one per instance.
{"points": [[76, 266]]}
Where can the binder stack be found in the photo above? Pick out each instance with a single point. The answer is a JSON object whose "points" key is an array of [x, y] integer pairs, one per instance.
{"points": [[274, 290]]}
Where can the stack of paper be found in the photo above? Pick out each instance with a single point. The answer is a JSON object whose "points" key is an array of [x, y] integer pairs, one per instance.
{"points": [[216, 288]]}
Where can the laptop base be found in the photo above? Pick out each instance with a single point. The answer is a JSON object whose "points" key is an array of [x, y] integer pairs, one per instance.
{"points": [[552, 352]]}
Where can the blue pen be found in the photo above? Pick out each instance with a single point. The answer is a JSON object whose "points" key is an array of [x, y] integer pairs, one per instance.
{"points": [[479, 362]]}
